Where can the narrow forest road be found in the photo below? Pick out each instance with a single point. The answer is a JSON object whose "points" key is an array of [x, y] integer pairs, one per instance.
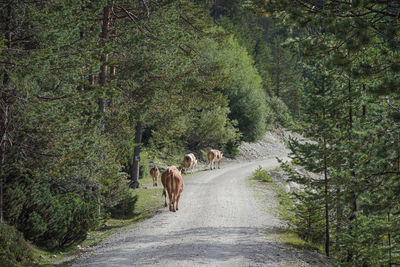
{"points": [[220, 223]]}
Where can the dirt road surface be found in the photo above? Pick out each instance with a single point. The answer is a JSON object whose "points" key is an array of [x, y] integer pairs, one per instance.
{"points": [[220, 223]]}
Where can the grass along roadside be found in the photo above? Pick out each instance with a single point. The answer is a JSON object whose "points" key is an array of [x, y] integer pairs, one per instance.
{"points": [[264, 186]]}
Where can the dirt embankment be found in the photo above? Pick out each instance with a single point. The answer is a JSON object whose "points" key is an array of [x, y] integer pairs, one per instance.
{"points": [[271, 146]]}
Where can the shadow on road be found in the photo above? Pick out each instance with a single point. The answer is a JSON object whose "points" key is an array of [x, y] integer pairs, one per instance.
{"points": [[204, 245]]}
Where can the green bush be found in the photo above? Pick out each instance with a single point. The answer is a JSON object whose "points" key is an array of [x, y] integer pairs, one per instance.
{"points": [[262, 175], [80, 215], [213, 128], [47, 218], [281, 112], [230, 149], [243, 88], [14, 250], [125, 208], [203, 154]]}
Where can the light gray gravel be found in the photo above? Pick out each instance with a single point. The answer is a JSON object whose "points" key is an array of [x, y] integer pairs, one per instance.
{"points": [[219, 223], [272, 145]]}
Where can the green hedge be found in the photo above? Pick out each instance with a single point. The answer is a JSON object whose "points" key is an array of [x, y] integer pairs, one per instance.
{"points": [[14, 251]]}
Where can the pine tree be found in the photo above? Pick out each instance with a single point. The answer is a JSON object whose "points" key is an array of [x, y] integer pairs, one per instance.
{"points": [[361, 56]]}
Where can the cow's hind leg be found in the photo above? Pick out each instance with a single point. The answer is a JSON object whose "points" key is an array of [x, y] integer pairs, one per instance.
{"points": [[172, 203], [177, 201], [165, 197]]}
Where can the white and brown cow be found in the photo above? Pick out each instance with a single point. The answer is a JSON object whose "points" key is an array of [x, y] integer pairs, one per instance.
{"points": [[214, 155], [154, 172], [189, 162], [172, 181]]}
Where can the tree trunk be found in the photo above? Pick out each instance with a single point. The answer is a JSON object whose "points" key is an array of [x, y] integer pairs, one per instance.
{"points": [[364, 105], [351, 163], [136, 155], [278, 77], [389, 241], [338, 217], [105, 34], [5, 120], [327, 237], [353, 195]]}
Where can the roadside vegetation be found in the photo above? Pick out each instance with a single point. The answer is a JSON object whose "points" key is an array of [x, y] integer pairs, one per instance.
{"points": [[290, 235], [262, 175]]}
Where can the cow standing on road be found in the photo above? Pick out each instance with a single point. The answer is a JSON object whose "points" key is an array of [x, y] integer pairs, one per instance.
{"points": [[214, 155], [189, 162], [154, 172], [173, 185]]}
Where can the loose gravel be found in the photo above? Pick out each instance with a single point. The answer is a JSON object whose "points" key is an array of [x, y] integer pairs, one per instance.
{"points": [[219, 223]]}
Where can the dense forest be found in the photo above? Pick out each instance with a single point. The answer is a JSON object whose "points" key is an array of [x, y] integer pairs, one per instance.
{"points": [[349, 106], [91, 92]]}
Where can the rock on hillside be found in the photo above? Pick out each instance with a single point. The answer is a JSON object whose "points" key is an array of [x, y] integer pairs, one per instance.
{"points": [[271, 146]]}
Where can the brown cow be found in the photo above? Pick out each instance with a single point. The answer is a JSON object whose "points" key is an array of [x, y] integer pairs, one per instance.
{"points": [[214, 155], [189, 161], [173, 185], [155, 172]]}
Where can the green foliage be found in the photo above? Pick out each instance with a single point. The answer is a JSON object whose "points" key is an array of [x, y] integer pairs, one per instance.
{"points": [[64, 154], [212, 128], [297, 233], [281, 113], [145, 160], [14, 250], [244, 89], [262, 175], [48, 218], [348, 65], [203, 154], [370, 241], [286, 206], [230, 149], [126, 207], [309, 218], [265, 41]]}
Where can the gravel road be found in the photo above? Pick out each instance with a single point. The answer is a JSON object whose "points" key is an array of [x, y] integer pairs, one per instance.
{"points": [[220, 223]]}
